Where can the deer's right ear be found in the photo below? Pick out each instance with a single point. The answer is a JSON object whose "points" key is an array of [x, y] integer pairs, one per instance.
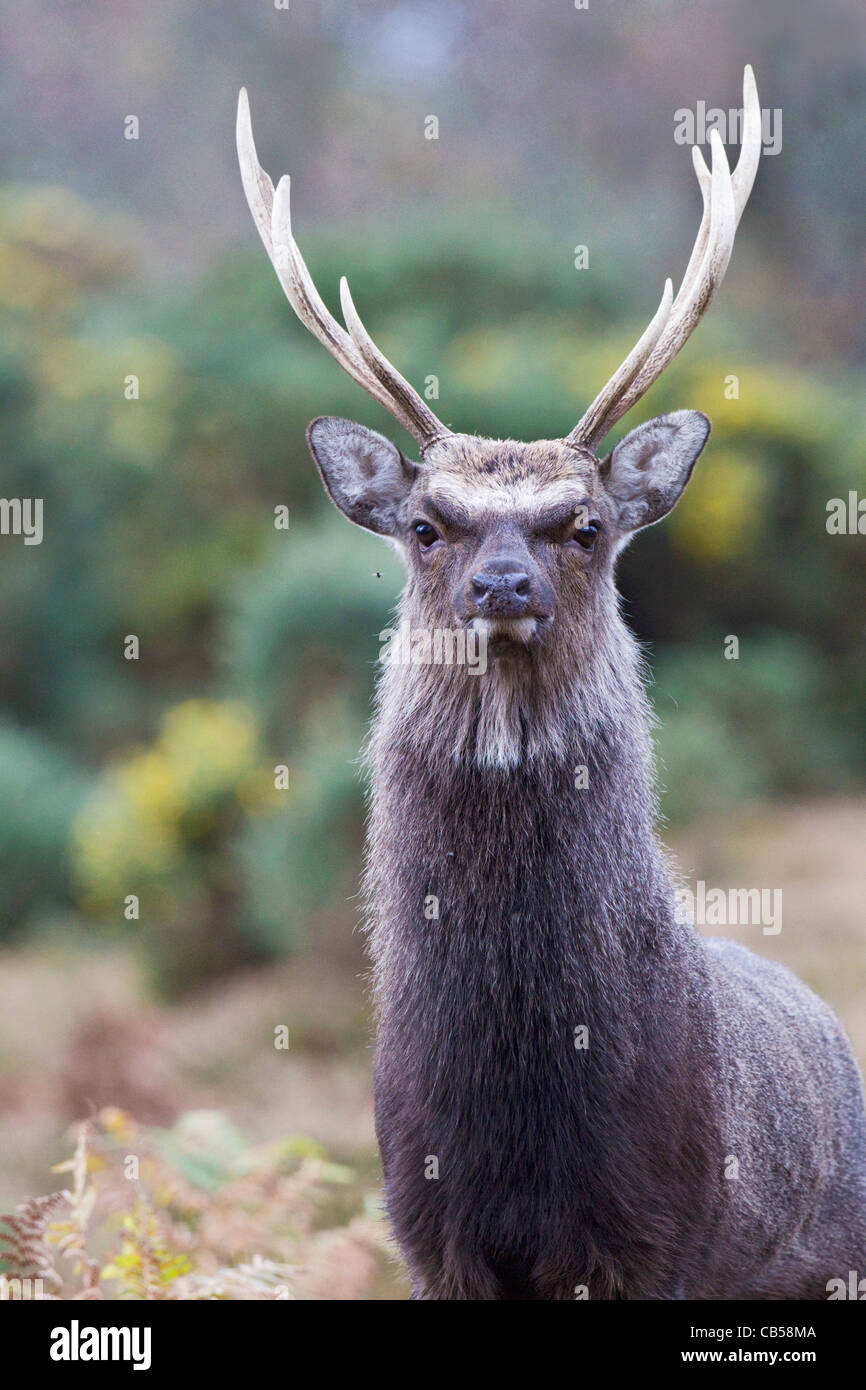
{"points": [[648, 470], [365, 475]]}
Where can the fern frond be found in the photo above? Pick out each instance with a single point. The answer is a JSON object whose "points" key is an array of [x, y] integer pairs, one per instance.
{"points": [[27, 1253]]}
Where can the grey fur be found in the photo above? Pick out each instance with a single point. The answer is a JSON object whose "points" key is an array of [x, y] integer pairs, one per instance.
{"points": [[609, 1167]]}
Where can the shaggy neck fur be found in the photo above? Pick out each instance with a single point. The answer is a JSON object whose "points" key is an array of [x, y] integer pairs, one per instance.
{"points": [[510, 907], [548, 702]]}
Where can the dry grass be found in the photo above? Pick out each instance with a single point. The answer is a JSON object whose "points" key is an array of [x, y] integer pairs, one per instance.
{"points": [[194, 1213]]}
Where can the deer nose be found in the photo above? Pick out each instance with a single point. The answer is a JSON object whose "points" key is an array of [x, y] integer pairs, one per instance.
{"points": [[501, 591]]}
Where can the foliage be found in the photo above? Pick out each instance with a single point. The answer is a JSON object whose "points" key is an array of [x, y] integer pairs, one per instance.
{"points": [[194, 1213], [41, 790], [757, 726], [162, 824]]}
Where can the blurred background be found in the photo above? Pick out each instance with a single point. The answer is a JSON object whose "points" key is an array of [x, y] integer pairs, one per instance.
{"points": [[136, 257]]}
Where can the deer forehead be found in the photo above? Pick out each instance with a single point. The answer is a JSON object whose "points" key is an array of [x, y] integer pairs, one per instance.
{"points": [[494, 475]]}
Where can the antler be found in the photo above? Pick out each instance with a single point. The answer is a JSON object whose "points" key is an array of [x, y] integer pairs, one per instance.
{"points": [[725, 195], [355, 351]]}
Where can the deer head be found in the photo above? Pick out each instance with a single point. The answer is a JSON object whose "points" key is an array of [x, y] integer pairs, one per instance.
{"points": [[513, 539]]}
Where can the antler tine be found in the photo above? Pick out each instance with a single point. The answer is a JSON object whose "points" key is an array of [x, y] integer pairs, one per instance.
{"points": [[406, 396], [724, 197], [698, 250], [271, 210], [589, 423], [272, 216], [750, 144], [257, 185], [697, 290], [306, 301], [743, 177]]}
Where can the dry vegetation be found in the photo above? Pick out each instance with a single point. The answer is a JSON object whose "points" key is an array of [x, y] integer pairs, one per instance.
{"points": [[195, 1213]]}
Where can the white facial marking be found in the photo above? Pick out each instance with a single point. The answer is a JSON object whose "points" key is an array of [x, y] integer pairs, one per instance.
{"points": [[475, 497], [517, 629]]}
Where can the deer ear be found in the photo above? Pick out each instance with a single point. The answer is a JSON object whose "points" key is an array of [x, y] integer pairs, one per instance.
{"points": [[648, 469], [365, 475]]}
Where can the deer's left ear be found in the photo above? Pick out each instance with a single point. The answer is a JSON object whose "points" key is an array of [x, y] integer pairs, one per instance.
{"points": [[648, 470]]}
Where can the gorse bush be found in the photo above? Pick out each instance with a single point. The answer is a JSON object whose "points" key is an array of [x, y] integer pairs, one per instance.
{"points": [[152, 804], [155, 841]]}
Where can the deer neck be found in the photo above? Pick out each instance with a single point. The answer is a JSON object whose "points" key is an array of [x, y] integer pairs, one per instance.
{"points": [[512, 824]]}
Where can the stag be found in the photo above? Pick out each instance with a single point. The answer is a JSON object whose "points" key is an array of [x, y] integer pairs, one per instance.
{"points": [[576, 1093]]}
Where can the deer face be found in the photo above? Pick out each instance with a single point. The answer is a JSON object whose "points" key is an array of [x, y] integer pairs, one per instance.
{"points": [[508, 537], [502, 537]]}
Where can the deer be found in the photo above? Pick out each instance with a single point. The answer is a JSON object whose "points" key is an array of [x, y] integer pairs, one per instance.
{"points": [[577, 1094]]}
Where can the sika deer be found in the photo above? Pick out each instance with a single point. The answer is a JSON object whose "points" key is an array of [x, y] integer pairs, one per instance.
{"points": [[709, 1142]]}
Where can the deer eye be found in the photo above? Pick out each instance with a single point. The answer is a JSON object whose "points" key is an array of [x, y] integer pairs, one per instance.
{"points": [[586, 536], [426, 534]]}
